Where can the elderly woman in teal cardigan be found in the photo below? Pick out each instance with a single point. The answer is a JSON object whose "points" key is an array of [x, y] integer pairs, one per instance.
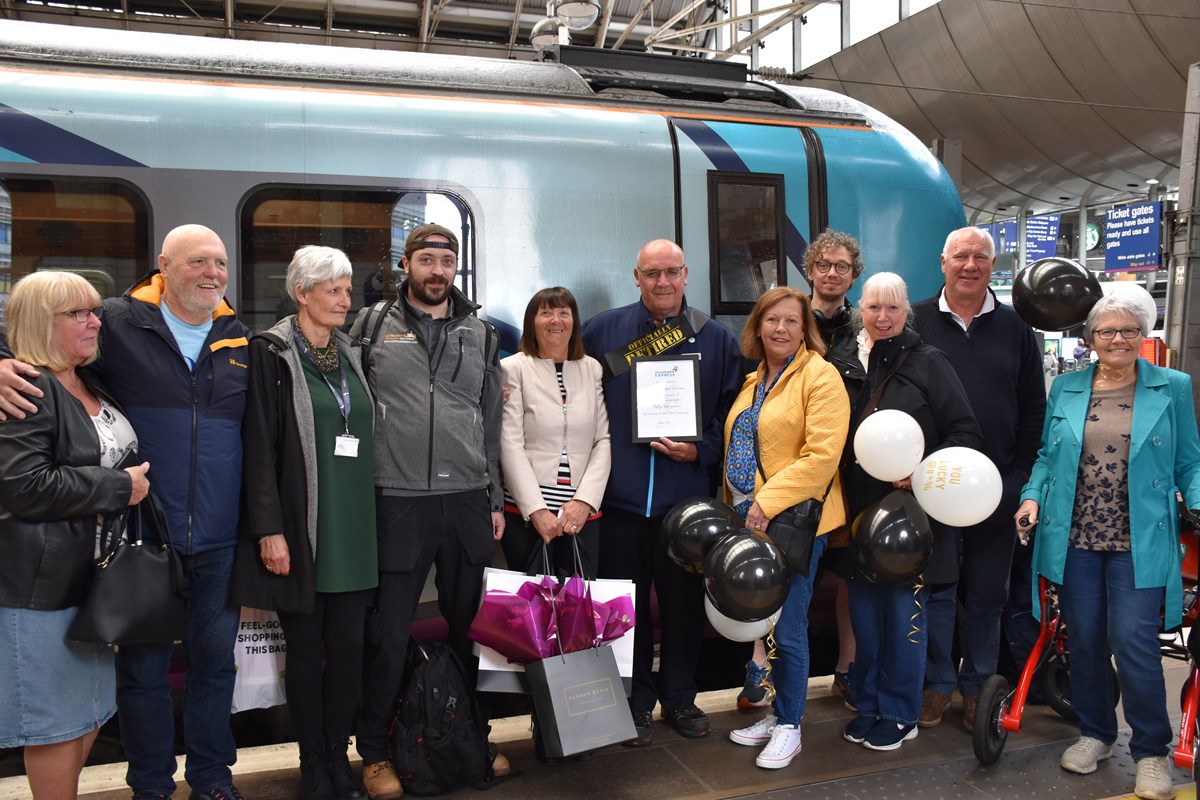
{"points": [[1118, 442]]}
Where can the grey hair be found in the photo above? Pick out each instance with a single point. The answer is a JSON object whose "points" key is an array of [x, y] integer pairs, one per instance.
{"points": [[313, 264], [969, 229], [1118, 303], [891, 288]]}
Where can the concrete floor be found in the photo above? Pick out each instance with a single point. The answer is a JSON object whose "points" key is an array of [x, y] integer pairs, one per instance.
{"points": [[939, 763]]}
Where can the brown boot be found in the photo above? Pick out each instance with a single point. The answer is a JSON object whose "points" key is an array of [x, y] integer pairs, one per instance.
{"points": [[381, 781], [969, 712], [933, 705]]}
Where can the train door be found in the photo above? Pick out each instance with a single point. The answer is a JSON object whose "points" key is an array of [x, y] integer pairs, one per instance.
{"points": [[750, 198]]}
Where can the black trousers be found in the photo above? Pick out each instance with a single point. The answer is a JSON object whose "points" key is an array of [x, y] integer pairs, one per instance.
{"points": [[523, 548], [324, 665], [633, 550], [451, 531]]}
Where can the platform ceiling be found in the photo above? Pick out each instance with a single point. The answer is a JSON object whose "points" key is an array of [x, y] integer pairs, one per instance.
{"points": [[1053, 102]]}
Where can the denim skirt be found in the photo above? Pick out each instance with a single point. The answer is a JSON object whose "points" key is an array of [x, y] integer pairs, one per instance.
{"points": [[51, 688]]}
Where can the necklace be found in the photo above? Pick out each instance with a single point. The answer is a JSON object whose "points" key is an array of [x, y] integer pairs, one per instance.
{"points": [[1111, 375], [327, 359]]}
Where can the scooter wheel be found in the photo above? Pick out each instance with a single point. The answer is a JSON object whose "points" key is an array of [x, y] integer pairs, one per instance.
{"points": [[989, 735]]}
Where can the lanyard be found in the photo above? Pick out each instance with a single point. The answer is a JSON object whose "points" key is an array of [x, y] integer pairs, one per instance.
{"points": [[343, 398]]}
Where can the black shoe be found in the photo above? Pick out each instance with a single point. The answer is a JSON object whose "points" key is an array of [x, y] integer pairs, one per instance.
{"points": [[690, 722], [146, 794], [229, 792], [643, 722], [345, 785], [314, 774]]}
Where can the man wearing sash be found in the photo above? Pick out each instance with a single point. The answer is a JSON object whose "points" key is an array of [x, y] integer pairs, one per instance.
{"points": [[648, 479]]}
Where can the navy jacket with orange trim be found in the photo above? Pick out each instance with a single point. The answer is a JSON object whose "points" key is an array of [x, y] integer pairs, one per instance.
{"points": [[188, 423]]}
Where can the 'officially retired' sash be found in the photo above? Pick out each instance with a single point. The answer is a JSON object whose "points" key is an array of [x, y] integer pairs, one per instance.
{"points": [[673, 332]]}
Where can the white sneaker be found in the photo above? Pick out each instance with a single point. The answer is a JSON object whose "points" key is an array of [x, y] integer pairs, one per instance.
{"points": [[783, 747], [1154, 779], [756, 734], [1082, 756]]}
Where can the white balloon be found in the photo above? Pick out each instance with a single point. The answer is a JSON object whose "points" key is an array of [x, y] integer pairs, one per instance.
{"points": [[889, 445], [737, 631], [957, 486]]}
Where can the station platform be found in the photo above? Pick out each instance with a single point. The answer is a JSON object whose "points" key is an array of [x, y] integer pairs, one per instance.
{"points": [[938, 765]]}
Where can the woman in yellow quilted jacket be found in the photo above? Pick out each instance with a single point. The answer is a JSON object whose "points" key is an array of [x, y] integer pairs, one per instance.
{"points": [[784, 438]]}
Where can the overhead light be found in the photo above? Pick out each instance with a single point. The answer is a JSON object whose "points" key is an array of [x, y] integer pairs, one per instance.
{"points": [[549, 31], [1152, 181], [577, 14]]}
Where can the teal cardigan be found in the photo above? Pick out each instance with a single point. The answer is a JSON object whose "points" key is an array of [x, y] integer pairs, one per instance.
{"points": [[1164, 458]]}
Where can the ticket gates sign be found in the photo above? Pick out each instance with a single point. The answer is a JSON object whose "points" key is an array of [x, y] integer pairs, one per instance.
{"points": [[1133, 238]]}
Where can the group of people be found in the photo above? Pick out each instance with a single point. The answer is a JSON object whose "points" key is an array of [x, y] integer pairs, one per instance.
{"points": [[364, 459]]}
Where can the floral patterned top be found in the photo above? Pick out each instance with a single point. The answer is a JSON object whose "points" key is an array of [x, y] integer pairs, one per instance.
{"points": [[740, 463], [1100, 520]]}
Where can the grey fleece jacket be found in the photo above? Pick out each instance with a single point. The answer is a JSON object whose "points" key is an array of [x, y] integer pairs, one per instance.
{"points": [[438, 410]]}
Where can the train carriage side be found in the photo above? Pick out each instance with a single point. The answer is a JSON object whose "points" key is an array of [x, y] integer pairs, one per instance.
{"points": [[98, 162]]}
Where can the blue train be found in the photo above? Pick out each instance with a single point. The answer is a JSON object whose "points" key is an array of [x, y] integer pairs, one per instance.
{"points": [[555, 171]]}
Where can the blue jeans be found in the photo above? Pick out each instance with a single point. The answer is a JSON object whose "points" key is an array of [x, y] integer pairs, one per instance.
{"points": [[1104, 613], [789, 668], [889, 663], [144, 694]]}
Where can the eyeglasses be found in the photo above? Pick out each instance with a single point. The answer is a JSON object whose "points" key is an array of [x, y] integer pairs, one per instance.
{"points": [[81, 314], [824, 266], [653, 275], [1108, 334]]}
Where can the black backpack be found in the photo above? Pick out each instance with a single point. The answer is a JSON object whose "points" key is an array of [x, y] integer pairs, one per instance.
{"points": [[437, 745]]}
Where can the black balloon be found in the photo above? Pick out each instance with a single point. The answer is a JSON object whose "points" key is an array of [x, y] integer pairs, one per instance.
{"points": [[892, 540], [746, 576], [1055, 294], [693, 526]]}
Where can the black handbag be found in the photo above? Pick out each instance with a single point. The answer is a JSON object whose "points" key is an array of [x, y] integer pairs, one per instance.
{"points": [[794, 529], [137, 592]]}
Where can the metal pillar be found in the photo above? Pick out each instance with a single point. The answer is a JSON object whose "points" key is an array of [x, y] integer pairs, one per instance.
{"points": [[1183, 286]]}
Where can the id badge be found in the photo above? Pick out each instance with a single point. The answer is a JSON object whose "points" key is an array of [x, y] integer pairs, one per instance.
{"points": [[346, 445]]}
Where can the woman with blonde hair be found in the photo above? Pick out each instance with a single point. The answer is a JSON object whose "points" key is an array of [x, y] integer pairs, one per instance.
{"points": [[58, 474]]}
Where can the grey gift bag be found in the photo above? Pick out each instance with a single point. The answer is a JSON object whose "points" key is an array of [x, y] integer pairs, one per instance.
{"points": [[580, 701]]}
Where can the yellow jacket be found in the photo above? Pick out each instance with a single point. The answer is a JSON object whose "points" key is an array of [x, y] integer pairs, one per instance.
{"points": [[802, 429]]}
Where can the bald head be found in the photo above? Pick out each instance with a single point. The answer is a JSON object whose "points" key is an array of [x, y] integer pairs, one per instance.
{"points": [[661, 275], [194, 266]]}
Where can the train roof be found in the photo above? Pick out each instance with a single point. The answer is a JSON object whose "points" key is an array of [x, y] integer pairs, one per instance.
{"points": [[564, 73]]}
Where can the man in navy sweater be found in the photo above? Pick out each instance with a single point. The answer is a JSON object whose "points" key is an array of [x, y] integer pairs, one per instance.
{"points": [[648, 479], [999, 362]]}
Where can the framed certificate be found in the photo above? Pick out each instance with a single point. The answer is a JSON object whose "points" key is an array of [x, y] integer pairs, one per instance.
{"points": [[666, 398]]}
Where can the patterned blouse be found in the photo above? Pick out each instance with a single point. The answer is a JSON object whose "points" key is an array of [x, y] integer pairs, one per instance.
{"points": [[1100, 520], [740, 463]]}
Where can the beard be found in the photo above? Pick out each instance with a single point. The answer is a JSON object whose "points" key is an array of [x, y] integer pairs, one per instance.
{"points": [[428, 292]]}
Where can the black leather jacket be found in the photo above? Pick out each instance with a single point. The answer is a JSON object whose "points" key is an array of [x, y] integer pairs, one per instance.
{"points": [[51, 489]]}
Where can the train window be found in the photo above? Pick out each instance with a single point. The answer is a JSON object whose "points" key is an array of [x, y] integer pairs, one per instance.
{"points": [[98, 229], [368, 225], [746, 243]]}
